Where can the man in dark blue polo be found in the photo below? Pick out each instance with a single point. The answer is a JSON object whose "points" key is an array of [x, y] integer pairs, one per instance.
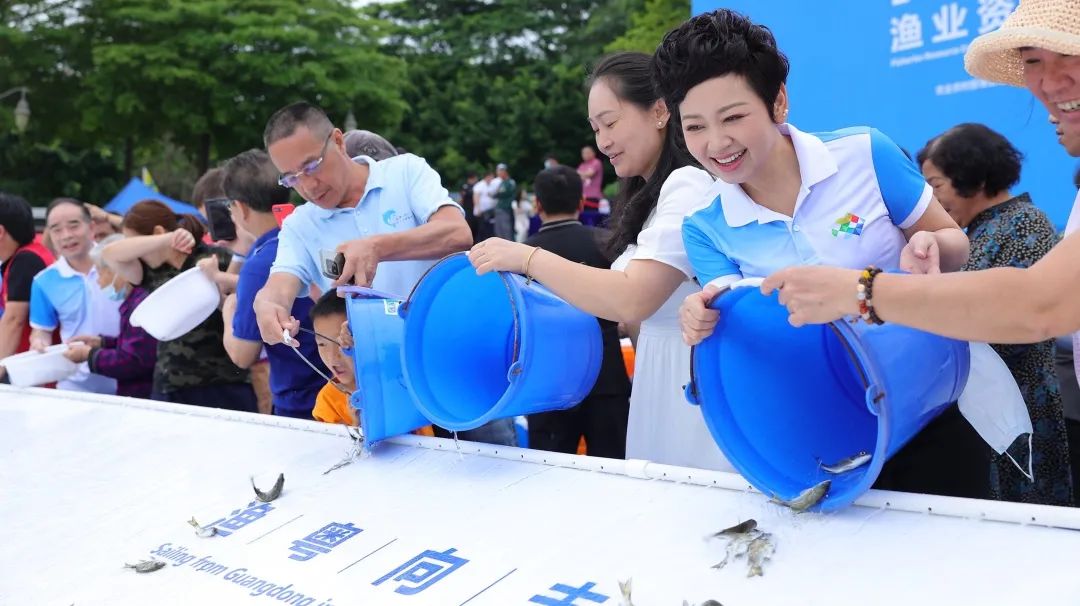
{"points": [[251, 182]]}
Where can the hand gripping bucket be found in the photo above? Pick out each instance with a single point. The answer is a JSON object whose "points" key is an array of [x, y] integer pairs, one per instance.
{"points": [[382, 397], [781, 401], [479, 348]]}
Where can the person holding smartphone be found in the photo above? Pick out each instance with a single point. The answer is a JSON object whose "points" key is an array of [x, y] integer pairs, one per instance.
{"points": [[389, 221], [251, 186]]}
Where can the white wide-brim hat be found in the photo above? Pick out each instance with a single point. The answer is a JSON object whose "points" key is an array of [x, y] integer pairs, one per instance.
{"points": [[1048, 24]]}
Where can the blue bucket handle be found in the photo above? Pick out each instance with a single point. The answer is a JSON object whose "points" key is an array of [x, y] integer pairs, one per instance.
{"points": [[690, 391], [874, 395], [872, 387], [516, 367]]}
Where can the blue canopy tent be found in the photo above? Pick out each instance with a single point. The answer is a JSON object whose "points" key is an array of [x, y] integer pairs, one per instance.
{"points": [[136, 191]]}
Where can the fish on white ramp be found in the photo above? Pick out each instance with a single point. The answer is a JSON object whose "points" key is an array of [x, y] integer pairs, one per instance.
{"points": [[89, 483]]}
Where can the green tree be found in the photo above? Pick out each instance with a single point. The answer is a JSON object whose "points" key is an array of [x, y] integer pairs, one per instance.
{"points": [[498, 81], [131, 79], [41, 172], [210, 72], [38, 46], [649, 25]]}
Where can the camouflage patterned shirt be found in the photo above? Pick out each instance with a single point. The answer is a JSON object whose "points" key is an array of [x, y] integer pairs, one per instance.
{"points": [[197, 358]]}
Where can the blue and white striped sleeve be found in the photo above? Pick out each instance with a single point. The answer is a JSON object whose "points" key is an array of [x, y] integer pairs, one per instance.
{"points": [[903, 188], [43, 315], [709, 262]]}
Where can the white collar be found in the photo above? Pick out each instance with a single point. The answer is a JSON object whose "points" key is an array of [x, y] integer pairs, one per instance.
{"points": [[374, 181], [67, 271], [816, 163]]}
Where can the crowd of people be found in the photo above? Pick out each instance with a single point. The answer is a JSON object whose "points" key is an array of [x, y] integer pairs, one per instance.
{"points": [[715, 186]]}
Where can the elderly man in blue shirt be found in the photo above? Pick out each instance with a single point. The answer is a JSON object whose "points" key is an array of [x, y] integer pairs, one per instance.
{"points": [[391, 220]]}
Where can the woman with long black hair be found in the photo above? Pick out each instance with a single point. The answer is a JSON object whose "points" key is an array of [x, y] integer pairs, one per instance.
{"points": [[651, 274]]}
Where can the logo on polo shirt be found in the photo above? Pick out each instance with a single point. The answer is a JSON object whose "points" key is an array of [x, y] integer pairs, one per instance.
{"points": [[392, 218], [848, 226]]}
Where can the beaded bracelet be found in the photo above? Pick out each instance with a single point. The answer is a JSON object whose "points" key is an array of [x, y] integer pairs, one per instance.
{"points": [[865, 294]]}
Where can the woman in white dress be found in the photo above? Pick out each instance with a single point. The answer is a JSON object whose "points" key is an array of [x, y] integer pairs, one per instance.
{"points": [[651, 275]]}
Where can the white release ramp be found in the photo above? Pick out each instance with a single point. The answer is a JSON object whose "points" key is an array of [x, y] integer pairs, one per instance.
{"points": [[90, 483]]}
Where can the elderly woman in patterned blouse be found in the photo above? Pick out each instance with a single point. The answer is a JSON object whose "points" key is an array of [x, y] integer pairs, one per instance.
{"points": [[971, 169]]}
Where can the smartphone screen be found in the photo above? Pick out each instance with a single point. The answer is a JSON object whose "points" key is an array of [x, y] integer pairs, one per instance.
{"points": [[281, 211], [332, 263], [221, 223]]}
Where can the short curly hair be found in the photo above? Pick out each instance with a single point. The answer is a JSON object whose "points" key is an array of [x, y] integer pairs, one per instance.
{"points": [[716, 44], [975, 158]]}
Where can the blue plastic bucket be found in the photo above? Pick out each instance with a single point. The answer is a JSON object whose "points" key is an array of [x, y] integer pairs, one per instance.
{"points": [[781, 401], [479, 348], [382, 397]]}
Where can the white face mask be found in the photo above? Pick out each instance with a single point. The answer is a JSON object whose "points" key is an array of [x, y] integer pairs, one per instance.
{"points": [[993, 404]]}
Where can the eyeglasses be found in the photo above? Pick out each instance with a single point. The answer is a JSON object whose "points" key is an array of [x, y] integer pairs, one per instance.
{"points": [[291, 179]]}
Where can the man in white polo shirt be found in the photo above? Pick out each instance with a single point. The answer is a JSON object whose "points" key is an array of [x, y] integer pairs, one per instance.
{"points": [[485, 204], [66, 294], [391, 220]]}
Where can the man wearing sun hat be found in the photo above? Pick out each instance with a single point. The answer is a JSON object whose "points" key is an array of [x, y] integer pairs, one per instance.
{"points": [[1038, 47]]}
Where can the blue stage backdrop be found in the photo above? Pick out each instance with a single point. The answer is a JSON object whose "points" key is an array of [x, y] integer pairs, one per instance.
{"points": [[898, 65]]}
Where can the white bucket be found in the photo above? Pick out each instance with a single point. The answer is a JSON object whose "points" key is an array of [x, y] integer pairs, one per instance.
{"points": [[33, 368], [177, 306]]}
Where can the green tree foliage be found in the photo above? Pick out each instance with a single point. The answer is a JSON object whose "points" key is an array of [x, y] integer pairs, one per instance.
{"points": [[649, 25], [122, 76], [211, 71], [499, 81], [179, 85], [44, 172]]}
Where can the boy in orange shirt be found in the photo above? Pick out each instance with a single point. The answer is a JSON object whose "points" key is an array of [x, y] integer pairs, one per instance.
{"points": [[328, 318]]}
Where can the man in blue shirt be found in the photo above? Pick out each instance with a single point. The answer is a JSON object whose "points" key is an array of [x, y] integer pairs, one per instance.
{"points": [[250, 181], [391, 220]]}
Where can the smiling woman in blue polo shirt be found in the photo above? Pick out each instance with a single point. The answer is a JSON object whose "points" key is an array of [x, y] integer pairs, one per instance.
{"points": [[783, 197]]}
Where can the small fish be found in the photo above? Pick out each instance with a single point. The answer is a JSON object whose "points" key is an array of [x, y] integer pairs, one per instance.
{"points": [[759, 552], [848, 464], [705, 603], [146, 566], [354, 453], [355, 433], [624, 588], [738, 529], [202, 531], [807, 498], [274, 493], [342, 463], [738, 547]]}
